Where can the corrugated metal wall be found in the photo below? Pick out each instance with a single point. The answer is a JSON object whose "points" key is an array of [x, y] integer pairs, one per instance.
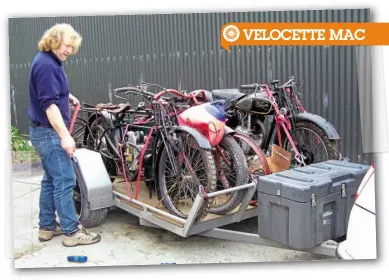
{"points": [[183, 51]]}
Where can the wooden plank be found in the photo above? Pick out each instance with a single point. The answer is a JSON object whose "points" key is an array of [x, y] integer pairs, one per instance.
{"points": [[143, 195], [279, 160]]}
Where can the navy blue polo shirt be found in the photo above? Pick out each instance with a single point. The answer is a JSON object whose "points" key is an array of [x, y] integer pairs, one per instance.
{"points": [[48, 85]]}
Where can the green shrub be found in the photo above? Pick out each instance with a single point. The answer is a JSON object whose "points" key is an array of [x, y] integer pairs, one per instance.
{"points": [[19, 143]]}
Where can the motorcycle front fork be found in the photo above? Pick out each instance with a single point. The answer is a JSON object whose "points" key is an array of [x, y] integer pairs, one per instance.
{"points": [[300, 158]]}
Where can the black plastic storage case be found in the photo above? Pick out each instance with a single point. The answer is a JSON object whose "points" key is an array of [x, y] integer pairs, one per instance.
{"points": [[306, 206]]}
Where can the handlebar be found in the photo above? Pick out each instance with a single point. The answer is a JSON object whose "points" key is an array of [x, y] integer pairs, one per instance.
{"points": [[134, 89], [254, 86], [190, 96], [287, 84], [156, 96]]}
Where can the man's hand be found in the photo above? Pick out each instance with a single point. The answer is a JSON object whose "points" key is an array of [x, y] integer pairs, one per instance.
{"points": [[73, 99], [67, 142], [55, 118]]}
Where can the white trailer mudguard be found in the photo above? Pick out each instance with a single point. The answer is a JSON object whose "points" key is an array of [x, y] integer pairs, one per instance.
{"points": [[89, 168]]}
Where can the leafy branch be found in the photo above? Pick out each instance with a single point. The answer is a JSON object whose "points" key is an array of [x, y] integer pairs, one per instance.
{"points": [[19, 143]]}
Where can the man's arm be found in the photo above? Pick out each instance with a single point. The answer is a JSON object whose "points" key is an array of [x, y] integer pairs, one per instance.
{"points": [[56, 120]]}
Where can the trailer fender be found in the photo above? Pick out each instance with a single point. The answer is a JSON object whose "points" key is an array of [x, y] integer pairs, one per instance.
{"points": [[93, 176]]}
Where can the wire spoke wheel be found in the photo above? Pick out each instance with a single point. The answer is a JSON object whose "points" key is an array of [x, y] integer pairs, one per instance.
{"points": [[312, 143], [179, 192], [256, 159], [226, 176], [232, 171], [99, 143], [78, 132]]}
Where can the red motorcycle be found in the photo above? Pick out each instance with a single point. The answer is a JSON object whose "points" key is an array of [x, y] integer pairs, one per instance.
{"points": [[174, 161], [184, 152], [234, 167], [277, 116]]}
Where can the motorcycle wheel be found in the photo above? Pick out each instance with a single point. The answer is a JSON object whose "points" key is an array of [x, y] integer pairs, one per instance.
{"points": [[305, 134], [237, 175], [97, 129], [78, 133], [179, 194], [256, 160]]}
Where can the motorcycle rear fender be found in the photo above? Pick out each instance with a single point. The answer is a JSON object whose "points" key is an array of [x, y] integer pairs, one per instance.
{"points": [[321, 122], [107, 116], [201, 140]]}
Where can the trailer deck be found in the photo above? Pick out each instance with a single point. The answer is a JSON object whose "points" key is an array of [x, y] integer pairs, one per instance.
{"points": [[151, 213]]}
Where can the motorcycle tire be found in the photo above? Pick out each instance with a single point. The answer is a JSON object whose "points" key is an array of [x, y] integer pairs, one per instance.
{"points": [[254, 150], [100, 125], [330, 145], [240, 168], [209, 183], [78, 133]]}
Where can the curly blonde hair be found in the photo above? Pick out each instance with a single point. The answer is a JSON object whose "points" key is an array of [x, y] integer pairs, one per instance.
{"points": [[53, 37]]}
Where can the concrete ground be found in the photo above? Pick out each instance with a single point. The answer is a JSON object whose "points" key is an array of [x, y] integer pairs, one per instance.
{"points": [[124, 242]]}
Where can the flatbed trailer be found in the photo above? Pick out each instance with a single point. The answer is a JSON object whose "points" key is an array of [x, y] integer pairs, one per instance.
{"points": [[211, 225], [102, 193]]}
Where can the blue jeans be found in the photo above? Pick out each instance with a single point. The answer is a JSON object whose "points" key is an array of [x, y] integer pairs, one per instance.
{"points": [[58, 181]]}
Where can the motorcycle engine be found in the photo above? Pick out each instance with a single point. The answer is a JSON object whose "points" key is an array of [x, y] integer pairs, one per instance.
{"points": [[256, 131], [134, 144]]}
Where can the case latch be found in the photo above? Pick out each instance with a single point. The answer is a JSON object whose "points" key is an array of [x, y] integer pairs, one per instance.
{"points": [[343, 190], [313, 198]]}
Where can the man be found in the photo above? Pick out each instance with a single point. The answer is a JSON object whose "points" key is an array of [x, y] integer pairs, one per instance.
{"points": [[49, 115]]}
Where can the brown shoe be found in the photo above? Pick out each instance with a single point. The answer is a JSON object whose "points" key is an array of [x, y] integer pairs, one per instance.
{"points": [[81, 237], [46, 235]]}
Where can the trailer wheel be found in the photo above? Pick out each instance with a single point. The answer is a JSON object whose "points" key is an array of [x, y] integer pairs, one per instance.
{"points": [[87, 217]]}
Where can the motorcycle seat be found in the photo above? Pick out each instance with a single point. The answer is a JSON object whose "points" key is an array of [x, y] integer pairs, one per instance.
{"points": [[113, 108], [230, 94], [208, 95]]}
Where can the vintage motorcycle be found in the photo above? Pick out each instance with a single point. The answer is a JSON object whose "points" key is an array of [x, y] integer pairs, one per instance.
{"points": [[175, 150], [173, 160], [276, 116], [231, 165]]}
